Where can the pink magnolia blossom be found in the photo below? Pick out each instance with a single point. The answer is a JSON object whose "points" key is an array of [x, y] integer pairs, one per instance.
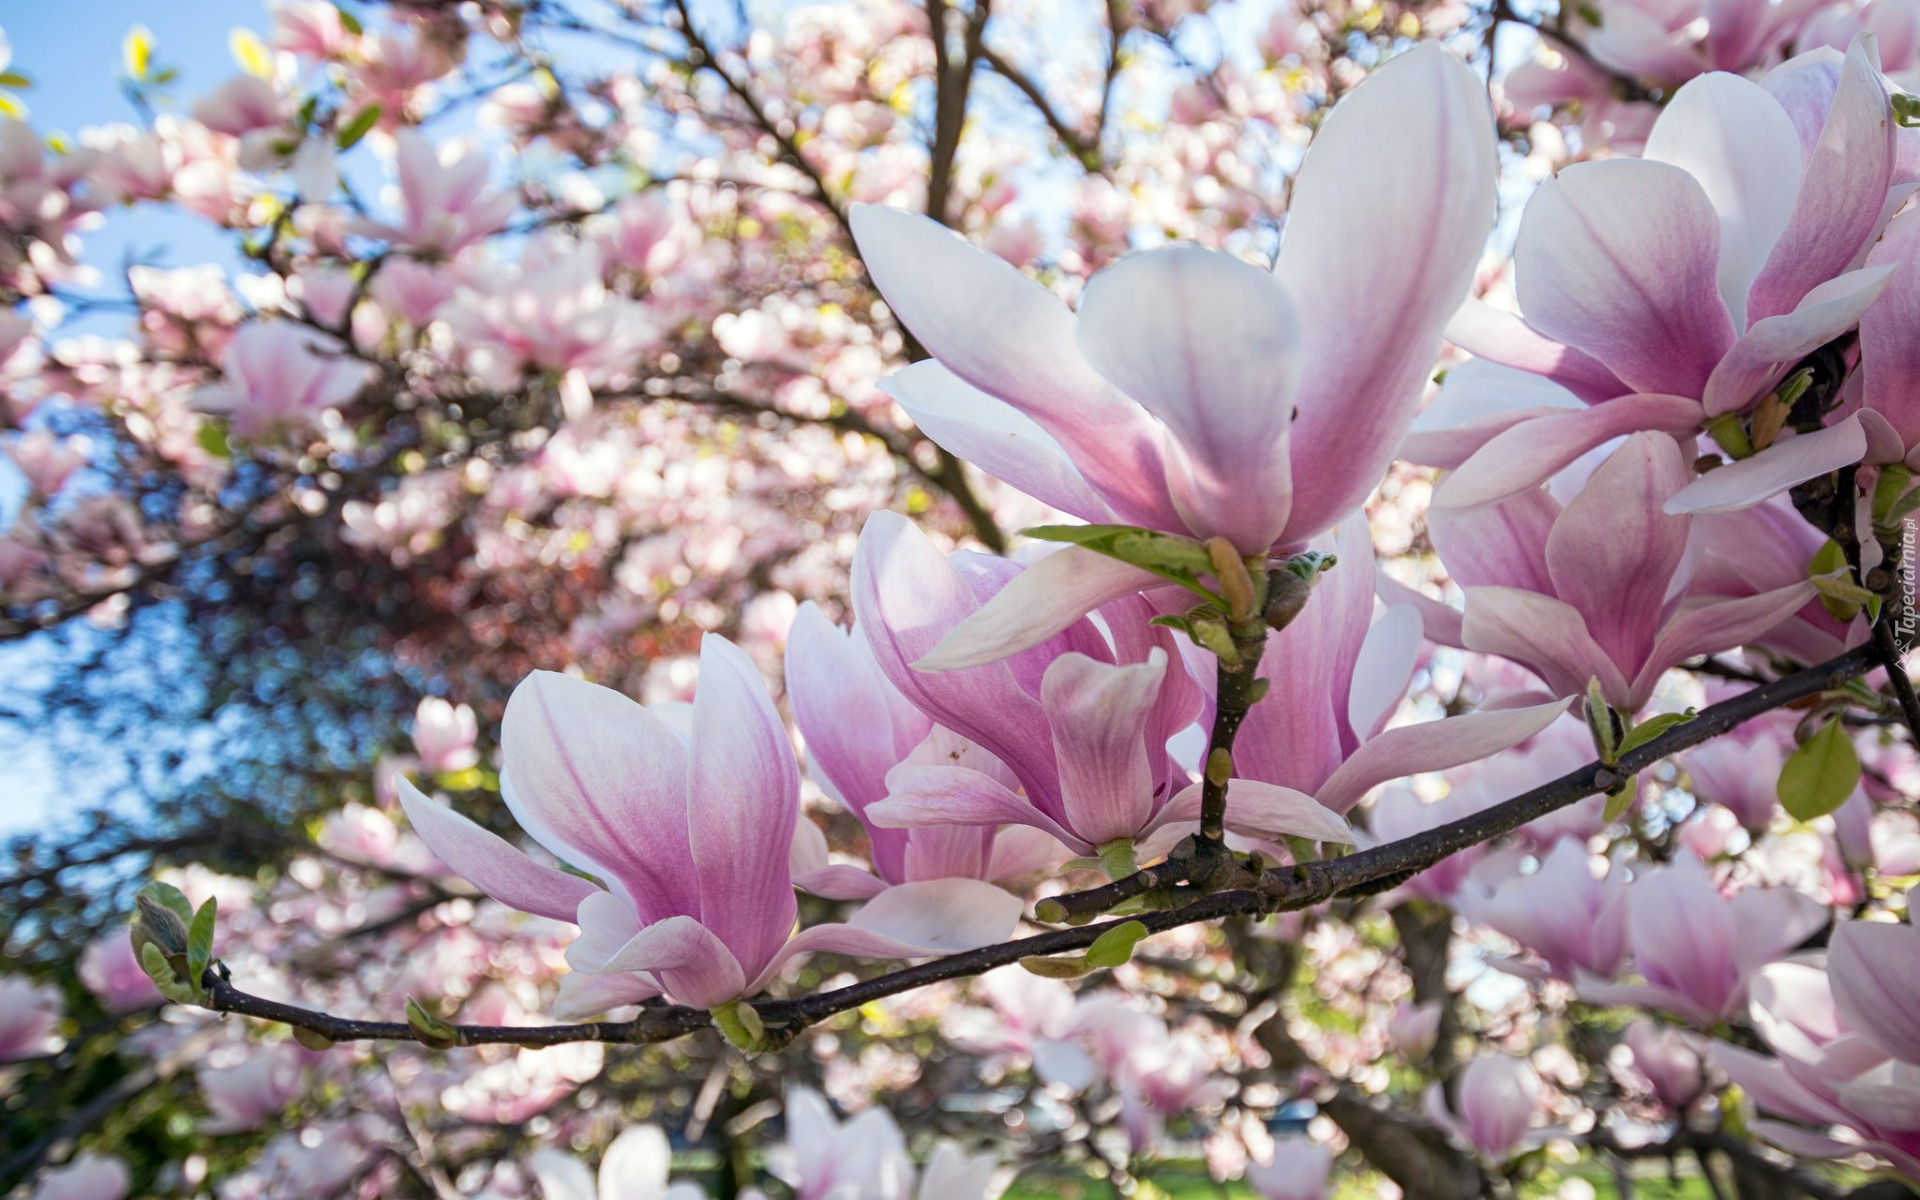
{"points": [[444, 735], [1414, 1029], [1399, 812], [445, 203], [1335, 683], [1889, 361], [89, 1176], [47, 461], [1067, 1039], [858, 728], [309, 28], [1699, 968], [1496, 1097], [635, 1167], [252, 1092], [1166, 1073], [280, 375], [110, 971], [1843, 1045], [1669, 290], [28, 1013], [1195, 393], [1597, 588], [552, 312], [1669, 1061], [1740, 769], [865, 1158], [1081, 722], [1563, 912], [1298, 1170], [691, 838]]}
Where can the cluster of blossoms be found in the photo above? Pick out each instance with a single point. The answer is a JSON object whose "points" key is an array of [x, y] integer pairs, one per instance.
{"points": [[646, 439]]}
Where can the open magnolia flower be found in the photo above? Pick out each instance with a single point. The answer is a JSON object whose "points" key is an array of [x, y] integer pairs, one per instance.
{"points": [[1195, 393], [1669, 291], [1598, 588], [1081, 721], [692, 840]]}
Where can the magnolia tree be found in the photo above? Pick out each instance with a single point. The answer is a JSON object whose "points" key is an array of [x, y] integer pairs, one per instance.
{"points": [[868, 602]]}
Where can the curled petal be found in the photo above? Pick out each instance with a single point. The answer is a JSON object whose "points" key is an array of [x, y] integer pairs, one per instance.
{"points": [[1780, 466], [487, 862], [1045, 598], [1434, 746]]}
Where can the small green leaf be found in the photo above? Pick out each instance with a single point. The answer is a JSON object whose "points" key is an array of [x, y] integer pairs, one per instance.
{"points": [[349, 22], [1310, 563], [1605, 724], [1819, 776], [1619, 800], [1179, 559], [213, 439], [1115, 947], [200, 940], [1652, 728], [429, 1029], [312, 1040], [14, 79], [1212, 635], [362, 123], [1906, 110], [1071, 966]]}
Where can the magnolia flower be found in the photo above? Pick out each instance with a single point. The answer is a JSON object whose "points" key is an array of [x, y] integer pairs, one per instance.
{"points": [[1740, 770], [1699, 968], [280, 374], [1563, 912], [445, 204], [1298, 1170], [1843, 1049], [89, 1176], [1669, 290], [444, 734], [866, 1158], [1067, 1039], [110, 971], [1597, 588], [1081, 722], [1320, 735], [634, 1167], [1669, 1061], [690, 836], [1889, 360], [28, 1013], [858, 728], [1413, 1029], [250, 1093], [47, 461], [1194, 393], [1495, 1098]]}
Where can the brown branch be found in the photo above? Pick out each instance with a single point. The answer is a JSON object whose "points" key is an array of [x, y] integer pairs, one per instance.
{"points": [[1087, 150], [1279, 890]]}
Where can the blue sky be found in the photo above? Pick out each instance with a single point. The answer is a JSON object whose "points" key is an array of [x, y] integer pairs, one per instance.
{"points": [[71, 52]]}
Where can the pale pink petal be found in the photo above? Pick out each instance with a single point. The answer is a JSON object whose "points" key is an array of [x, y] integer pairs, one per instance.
{"points": [[1502, 337], [840, 881], [561, 1176], [1546, 635], [601, 783], [913, 920], [1384, 669], [1889, 353], [1044, 599], [636, 1164], [582, 995], [1875, 969], [1840, 201], [743, 797], [1780, 466], [1478, 400], [1613, 552], [1765, 353], [1620, 258], [1737, 141], [1210, 345], [1711, 624], [1433, 746], [1384, 229], [994, 436], [489, 863], [1098, 714], [687, 957], [1536, 450], [959, 796], [939, 285], [1502, 544], [1633, 43], [1257, 809]]}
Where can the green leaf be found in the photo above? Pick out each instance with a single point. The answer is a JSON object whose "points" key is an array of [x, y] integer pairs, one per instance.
{"points": [[362, 123], [1619, 800], [1115, 947], [14, 79], [200, 940], [1310, 563], [1652, 728], [1066, 967], [1820, 775], [349, 22], [1604, 724], [429, 1029], [213, 439], [1179, 559]]}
